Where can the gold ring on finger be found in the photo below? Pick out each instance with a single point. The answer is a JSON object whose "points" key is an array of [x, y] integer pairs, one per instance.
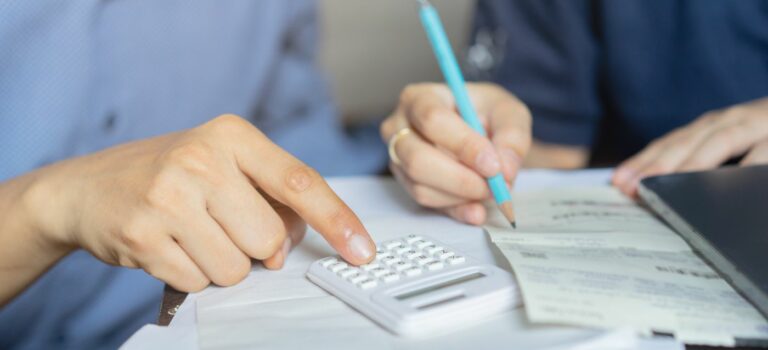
{"points": [[393, 141]]}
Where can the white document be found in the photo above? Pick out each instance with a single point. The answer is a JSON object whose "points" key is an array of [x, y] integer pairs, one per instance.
{"points": [[591, 257], [154, 337], [580, 209]]}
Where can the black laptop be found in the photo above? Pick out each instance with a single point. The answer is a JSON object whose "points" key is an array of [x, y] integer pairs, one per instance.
{"points": [[723, 215]]}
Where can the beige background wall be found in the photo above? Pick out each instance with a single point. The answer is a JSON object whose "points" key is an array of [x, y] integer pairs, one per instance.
{"points": [[372, 48]]}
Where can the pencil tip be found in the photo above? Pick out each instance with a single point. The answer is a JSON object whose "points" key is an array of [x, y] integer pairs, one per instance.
{"points": [[509, 213]]}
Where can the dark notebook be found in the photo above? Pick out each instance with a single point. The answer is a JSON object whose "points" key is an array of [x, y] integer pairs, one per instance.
{"points": [[723, 215]]}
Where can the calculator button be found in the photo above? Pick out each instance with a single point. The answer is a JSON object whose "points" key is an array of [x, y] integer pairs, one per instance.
{"points": [[401, 250], [456, 259], [422, 260], [411, 254], [444, 254], [393, 244], [413, 271], [390, 277], [412, 239], [435, 265], [384, 255], [338, 266], [347, 272], [357, 278], [433, 249], [422, 244], [402, 265], [390, 260], [378, 272], [429, 247], [328, 261], [367, 283], [369, 267]]}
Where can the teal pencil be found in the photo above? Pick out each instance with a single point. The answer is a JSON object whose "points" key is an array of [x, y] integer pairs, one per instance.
{"points": [[455, 80]]}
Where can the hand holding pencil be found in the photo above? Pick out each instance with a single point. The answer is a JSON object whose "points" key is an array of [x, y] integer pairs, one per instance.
{"points": [[444, 150], [441, 161]]}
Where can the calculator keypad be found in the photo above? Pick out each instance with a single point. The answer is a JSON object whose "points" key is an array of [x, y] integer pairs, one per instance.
{"points": [[395, 260]]}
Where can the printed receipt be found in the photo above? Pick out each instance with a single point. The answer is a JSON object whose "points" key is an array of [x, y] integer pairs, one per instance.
{"points": [[592, 257]]}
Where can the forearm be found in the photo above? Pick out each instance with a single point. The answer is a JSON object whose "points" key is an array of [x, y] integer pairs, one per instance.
{"points": [[25, 251], [550, 155]]}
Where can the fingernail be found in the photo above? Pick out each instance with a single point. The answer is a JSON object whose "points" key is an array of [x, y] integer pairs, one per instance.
{"points": [[511, 163], [622, 175], [488, 163], [360, 247], [470, 216], [474, 214]]}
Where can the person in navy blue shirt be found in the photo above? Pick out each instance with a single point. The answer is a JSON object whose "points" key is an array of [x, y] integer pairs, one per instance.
{"points": [[673, 85]]}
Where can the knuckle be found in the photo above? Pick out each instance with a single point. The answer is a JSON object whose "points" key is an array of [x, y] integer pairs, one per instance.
{"points": [[184, 280], [728, 138], [657, 144], [196, 284], [233, 272], [710, 117], [736, 111], [135, 236], [408, 93], [182, 275], [227, 124], [301, 178], [197, 158], [271, 242], [430, 117], [413, 90], [164, 193]]}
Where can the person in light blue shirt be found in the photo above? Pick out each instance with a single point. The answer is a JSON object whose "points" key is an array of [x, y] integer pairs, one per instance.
{"points": [[187, 197]]}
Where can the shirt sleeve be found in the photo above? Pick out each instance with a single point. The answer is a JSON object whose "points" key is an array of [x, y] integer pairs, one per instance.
{"points": [[545, 52], [297, 110]]}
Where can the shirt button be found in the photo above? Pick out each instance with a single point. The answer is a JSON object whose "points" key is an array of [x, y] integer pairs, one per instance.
{"points": [[109, 122]]}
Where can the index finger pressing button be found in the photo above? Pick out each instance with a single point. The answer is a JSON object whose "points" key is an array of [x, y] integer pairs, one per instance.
{"points": [[301, 188]]}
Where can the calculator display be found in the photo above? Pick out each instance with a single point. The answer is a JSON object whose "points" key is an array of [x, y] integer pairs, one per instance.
{"points": [[432, 288]]}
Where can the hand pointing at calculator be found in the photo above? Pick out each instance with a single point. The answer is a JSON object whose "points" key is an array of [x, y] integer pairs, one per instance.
{"points": [[190, 208]]}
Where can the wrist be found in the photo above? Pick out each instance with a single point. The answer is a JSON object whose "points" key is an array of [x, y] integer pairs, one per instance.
{"points": [[44, 212], [26, 251]]}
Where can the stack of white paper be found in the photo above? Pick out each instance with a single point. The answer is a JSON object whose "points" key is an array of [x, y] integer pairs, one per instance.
{"points": [[592, 257]]}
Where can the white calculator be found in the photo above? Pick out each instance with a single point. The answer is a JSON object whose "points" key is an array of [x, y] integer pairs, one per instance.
{"points": [[419, 287]]}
